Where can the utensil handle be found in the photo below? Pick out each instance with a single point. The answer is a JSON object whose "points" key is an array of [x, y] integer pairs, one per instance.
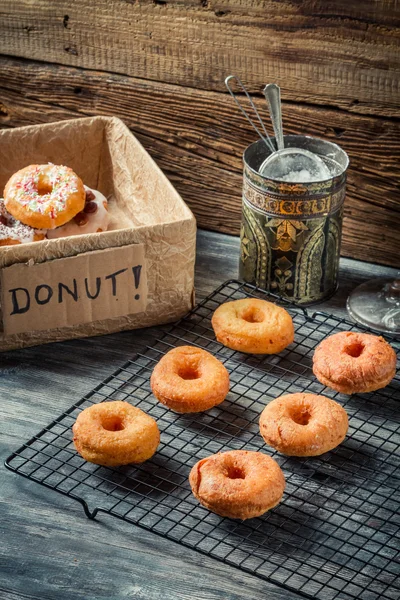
{"points": [[272, 93], [264, 136]]}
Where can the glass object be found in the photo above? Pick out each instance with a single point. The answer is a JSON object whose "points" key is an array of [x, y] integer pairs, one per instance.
{"points": [[376, 304]]}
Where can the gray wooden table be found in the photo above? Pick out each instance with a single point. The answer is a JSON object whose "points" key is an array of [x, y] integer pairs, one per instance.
{"points": [[49, 549]]}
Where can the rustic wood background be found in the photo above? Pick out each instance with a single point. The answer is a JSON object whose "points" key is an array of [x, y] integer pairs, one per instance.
{"points": [[160, 65]]}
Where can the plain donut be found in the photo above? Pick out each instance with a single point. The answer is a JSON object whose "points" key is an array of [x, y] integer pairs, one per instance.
{"points": [[238, 484], [254, 326], [352, 363], [189, 379], [303, 424], [115, 433]]}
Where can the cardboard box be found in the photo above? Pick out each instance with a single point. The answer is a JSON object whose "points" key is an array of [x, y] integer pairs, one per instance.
{"points": [[138, 273]]}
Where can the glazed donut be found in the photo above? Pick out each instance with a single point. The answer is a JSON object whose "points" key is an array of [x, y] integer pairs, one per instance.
{"points": [[115, 433], [94, 217], [303, 424], [44, 196], [352, 363], [13, 232], [189, 379], [238, 484], [253, 326]]}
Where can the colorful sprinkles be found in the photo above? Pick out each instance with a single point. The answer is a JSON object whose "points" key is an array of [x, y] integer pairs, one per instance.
{"points": [[60, 180], [11, 229], [92, 219]]}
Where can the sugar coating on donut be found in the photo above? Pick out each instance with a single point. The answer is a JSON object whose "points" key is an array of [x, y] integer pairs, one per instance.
{"points": [[94, 217], [303, 424], [351, 362], [115, 433], [13, 231], [239, 484], [253, 326]]}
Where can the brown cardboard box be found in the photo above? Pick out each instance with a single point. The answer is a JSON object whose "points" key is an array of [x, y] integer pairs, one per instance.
{"points": [[138, 273]]}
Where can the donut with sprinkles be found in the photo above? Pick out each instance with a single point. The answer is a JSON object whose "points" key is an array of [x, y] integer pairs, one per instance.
{"points": [[93, 219], [44, 196], [13, 232]]}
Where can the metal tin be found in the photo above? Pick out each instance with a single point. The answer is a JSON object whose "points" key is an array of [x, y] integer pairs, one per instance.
{"points": [[291, 232]]}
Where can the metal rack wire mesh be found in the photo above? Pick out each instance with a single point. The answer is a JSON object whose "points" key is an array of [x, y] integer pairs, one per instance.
{"points": [[334, 535]]}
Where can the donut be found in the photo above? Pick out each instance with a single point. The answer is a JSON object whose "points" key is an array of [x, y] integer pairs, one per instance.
{"points": [[115, 433], [13, 232], [303, 424], [189, 379], [352, 363], [254, 326], [238, 484], [44, 196], [93, 218]]}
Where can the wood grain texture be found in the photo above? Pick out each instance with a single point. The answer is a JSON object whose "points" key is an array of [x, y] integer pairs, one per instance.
{"points": [[343, 54], [197, 138], [49, 548]]}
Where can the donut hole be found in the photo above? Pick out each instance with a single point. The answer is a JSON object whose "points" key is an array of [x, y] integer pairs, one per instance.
{"points": [[354, 349], [44, 189], [188, 372], [253, 315], [112, 423], [44, 186], [235, 472], [300, 415]]}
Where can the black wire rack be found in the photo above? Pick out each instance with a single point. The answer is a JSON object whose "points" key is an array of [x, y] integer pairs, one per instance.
{"points": [[335, 534]]}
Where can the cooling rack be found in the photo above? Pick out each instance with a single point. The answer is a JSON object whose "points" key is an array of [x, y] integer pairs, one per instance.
{"points": [[334, 535]]}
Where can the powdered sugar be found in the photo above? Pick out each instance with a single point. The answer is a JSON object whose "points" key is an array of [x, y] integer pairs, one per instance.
{"points": [[302, 176]]}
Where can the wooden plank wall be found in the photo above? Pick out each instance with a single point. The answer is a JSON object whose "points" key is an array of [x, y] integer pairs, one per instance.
{"points": [[160, 65]]}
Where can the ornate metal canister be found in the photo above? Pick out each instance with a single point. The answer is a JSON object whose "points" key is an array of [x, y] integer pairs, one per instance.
{"points": [[291, 232]]}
